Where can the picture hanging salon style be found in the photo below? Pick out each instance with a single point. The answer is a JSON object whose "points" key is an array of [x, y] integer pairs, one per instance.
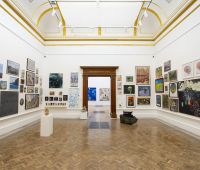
{"points": [[142, 75], [130, 101]]}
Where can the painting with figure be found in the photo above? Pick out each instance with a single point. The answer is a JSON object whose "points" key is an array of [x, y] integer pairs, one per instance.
{"points": [[159, 85], [173, 92], [189, 97], [142, 75], [3, 85], [31, 101], [167, 66], [144, 90], [143, 101], [74, 79], [30, 65], [197, 68], [1, 70], [158, 100], [91, 93], [30, 78], [14, 83], [73, 98], [55, 80], [159, 72], [173, 105], [104, 94], [130, 101], [129, 89], [13, 68], [188, 70]]}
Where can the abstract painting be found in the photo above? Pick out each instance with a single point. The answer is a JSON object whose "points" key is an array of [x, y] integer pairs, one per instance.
{"points": [[189, 97], [159, 85], [3, 85], [158, 100], [30, 78], [173, 105], [130, 101], [173, 92], [55, 80], [31, 101], [74, 79], [167, 66], [30, 65], [143, 101], [173, 76], [104, 94], [159, 72], [13, 68], [73, 98], [197, 68], [142, 75], [129, 79], [1, 70], [165, 101], [144, 90], [188, 70], [91, 93], [14, 83], [129, 89]]}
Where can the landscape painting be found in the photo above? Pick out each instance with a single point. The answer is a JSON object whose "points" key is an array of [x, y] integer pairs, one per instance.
{"points": [[173, 76], [159, 72], [30, 65], [3, 85], [130, 101], [13, 68], [144, 90], [30, 78], [1, 70], [197, 68], [188, 70], [129, 79], [14, 83], [31, 101], [173, 105], [143, 101], [104, 94], [189, 97], [74, 79], [159, 85], [91, 93], [55, 80], [165, 101], [173, 91], [158, 100], [167, 66], [142, 75]]}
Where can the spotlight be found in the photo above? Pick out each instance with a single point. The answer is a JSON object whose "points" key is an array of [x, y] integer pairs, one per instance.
{"points": [[145, 14], [53, 12]]}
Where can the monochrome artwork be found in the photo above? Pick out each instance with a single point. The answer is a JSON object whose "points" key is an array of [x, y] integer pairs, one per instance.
{"points": [[30, 65], [130, 101], [167, 66], [14, 83], [74, 79], [129, 89], [104, 94], [173, 105], [73, 99], [31, 101], [159, 85], [30, 89], [65, 97], [158, 100], [188, 70], [197, 68], [3, 85], [21, 88], [166, 77], [46, 98], [129, 79], [55, 80], [142, 75], [165, 101], [30, 78], [22, 74], [159, 72], [173, 91], [173, 76], [91, 93], [1, 70], [21, 102], [143, 101], [144, 90], [13, 68]]}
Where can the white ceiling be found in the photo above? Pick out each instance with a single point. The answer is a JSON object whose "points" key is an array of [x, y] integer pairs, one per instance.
{"points": [[104, 14]]}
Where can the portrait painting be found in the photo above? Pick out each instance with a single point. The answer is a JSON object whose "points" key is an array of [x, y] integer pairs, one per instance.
{"points": [[74, 79], [130, 101], [129, 89], [173, 92]]}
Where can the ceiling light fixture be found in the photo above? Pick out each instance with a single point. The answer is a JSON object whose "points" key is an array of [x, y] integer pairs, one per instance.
{"points": [[53, 12]]}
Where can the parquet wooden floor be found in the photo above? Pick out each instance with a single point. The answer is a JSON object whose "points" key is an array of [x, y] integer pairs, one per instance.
{"points": [[147, 145]]}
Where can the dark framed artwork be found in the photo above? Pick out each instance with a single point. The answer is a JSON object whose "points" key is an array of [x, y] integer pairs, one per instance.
{"points": [[21, 89], [65, 97], [31, 101], [173, 76], [55, 80], [55, 98], [158, 100], [1, 70], [143, 101], [165, 101], [129, 89], [144, 90], [167, 66], [159, 85], [13, 68], [46, 98], [30, 65], [30, 78], [130, 101]]}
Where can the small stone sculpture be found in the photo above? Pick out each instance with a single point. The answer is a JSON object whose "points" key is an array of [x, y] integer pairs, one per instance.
{"points": [[46, 111]]}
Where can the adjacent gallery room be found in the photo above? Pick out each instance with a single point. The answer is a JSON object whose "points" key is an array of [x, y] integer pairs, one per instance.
{"points": [[99, 84]]}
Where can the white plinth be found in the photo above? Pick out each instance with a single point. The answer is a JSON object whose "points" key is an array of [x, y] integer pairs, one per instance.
{"points": [[83, 115], [46, 125]]}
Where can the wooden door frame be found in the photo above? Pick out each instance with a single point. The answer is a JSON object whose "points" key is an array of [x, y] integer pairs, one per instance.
{"points": [[100, 71]]}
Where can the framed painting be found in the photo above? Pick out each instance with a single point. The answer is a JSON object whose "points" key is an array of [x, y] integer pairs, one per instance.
{"points": [[3, 85], [167, 66], [159, 85], [174, 105], [173, 76], [46, 98], [30, 78], [14, 83], [55, 80], [13, 68], [21, 88], [144, 90], [119, 77], [74, 79], [159, 72], [197, 68], [92, 93], [142, 75], [173, 92], [30, 65], [129, 89], [130, 101], [1, 70], [73, 98], [165, 101], [166, 88], [166, 77], [158, 100], [104, 94], [31, 101], [22, 74], [129, 79], [30, 89], [143, 101], [188, 70], [65, 97]]}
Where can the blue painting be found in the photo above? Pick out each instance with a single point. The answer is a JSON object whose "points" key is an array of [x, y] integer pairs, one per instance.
{"points": [[14, 83], [144, 90], [92, 93], [1, 70]]}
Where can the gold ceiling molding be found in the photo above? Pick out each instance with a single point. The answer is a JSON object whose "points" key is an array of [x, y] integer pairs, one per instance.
{"points": [[99, 45], [99, 31], [38, 8]]}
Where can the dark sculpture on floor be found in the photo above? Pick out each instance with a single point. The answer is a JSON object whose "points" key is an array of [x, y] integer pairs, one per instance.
{"points": [[128, 118]]}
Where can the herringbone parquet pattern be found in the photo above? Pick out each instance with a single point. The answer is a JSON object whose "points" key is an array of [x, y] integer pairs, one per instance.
{"points": [[147, 145]]}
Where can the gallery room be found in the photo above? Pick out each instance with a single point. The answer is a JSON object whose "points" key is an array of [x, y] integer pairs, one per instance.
{"points": [[99, 84]]}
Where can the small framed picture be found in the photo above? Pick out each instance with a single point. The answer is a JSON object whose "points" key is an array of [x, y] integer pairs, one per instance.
{"points": [[130, 101]]}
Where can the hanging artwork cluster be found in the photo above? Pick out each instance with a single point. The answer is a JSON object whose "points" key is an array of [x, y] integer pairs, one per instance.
{"points": [[56, 99]]}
